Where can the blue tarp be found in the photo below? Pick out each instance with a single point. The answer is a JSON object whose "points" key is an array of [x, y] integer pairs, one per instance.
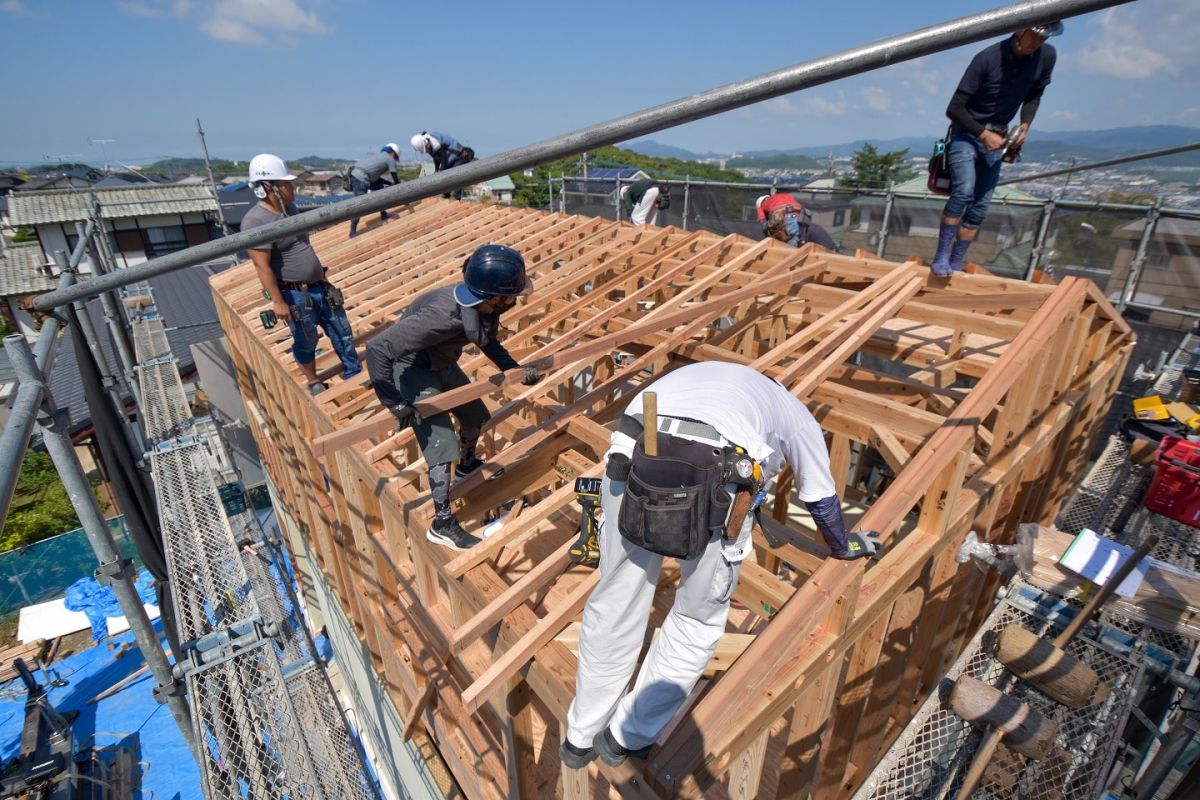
{"points": [[99, 602], [130, 718]]}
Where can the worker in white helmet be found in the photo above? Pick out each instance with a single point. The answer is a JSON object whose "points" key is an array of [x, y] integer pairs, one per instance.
{"points": [[292, 276], [445, 151], [367, 175]]}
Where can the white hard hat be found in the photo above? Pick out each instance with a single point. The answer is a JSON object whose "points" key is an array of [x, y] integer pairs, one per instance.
{"points": [[758, 203], [418, 142], [395, 148], [1049, 29], [267, 167]]}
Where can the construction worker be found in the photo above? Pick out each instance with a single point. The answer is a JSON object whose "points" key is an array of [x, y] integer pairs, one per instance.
{"points": [[445, 151], [367, 176], [785, 218], [642, 199], [1003, 78], [722, 428], [417, 358], [293, 278]]}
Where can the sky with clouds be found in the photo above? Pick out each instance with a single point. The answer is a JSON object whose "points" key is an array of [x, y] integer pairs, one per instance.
{"points": [[340, 77]]}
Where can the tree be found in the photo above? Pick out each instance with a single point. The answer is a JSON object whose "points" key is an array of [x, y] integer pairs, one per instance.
{"points": [[875, 170], [40, 508]]}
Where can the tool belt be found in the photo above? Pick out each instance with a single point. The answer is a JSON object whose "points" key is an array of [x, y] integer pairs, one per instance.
{"points": [[674, 502], [333, 295]]}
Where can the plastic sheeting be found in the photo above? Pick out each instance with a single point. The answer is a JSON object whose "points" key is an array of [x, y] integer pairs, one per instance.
{"points": [[100, 603]]}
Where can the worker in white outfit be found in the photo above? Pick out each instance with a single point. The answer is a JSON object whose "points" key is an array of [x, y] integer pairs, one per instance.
{"points": [[642, 199], [723, 428]]}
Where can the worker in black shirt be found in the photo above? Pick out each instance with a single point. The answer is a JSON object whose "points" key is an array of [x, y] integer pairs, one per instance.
{"points": [[1003, 78], [417, 358]]}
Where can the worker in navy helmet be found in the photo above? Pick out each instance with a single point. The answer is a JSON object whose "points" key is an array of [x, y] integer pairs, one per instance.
{"points": [[417, 358]]}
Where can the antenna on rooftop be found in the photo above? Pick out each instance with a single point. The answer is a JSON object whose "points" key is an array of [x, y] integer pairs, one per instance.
{"points": [[104, 143], [212, 183]]}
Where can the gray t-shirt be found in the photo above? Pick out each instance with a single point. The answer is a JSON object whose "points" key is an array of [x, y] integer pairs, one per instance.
{"points": [[292, 258], [374, 166]]}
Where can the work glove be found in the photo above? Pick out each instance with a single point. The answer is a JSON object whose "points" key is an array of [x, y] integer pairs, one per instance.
{"points": [[861, 544], [405, 415], [531, 376]]}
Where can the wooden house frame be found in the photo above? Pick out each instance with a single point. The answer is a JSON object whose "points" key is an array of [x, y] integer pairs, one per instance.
{"points": [[980, 397]]}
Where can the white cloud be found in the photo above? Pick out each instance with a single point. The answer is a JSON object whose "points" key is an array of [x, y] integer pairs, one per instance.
{"points": [[1064, 116], [806, 105], [13, 7], [878, 99], [252, 22], [1153, 39], [919, 75]]}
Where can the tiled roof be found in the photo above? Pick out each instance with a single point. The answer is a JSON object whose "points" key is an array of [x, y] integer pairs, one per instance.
{"points": [[183, 299], [70, 205], [21, 271]]}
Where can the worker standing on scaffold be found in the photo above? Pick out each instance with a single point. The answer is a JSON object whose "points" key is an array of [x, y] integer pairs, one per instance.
{"points": [[723, 431]]}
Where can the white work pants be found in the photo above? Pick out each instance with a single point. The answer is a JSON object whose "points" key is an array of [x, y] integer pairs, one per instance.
{"points": [[645, 211], [614, 627]]}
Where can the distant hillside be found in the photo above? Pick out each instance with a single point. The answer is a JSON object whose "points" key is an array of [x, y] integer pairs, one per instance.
{"points": [[649, 147], [1087, 145], [781, 161]]}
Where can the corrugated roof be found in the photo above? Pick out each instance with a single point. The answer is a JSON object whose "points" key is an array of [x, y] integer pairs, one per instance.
{"points": [[21, 271], [71, 205]]}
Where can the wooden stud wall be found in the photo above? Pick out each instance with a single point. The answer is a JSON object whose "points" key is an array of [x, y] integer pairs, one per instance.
{"points": [[981, 395]]}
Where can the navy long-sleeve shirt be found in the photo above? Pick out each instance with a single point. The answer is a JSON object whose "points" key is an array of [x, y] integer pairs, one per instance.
{"points": [[432, 325], [996, 84]]}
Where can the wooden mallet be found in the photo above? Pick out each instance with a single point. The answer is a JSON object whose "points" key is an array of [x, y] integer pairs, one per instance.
{"points": [[1045, 664], [1023, 730]]}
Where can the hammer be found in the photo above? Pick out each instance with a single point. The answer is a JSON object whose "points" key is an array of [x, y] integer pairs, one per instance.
{"points": [[1024, 730], [1045, 664]]}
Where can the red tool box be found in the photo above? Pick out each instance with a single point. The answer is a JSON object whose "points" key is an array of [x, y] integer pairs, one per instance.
{"points": [[1175, 490]]}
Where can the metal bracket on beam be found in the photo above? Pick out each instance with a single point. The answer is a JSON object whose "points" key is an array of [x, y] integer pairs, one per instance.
{"points": [[120, 570], [220, 646]]}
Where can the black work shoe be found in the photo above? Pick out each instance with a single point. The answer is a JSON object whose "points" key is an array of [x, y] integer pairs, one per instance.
{"points": [[464, 468], [451, 534], [611, 752], [575, 757]]}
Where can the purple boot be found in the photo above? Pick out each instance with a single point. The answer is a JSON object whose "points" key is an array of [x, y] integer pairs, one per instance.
{"points": [[941, 260], [958, 253]]}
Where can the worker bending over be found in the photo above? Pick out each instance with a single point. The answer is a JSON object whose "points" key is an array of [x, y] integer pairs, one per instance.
{"points": [[367, 176], [642, 199], [417, 358], [785, 218], [445, 151], [723, 428]]}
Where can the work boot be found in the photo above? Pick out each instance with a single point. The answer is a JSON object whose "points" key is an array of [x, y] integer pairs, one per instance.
{"points": [[941, 260], [575, 757], [384, 215], [465, 467], [317, 388], [448, 532], [958, 253], [611, 752]]}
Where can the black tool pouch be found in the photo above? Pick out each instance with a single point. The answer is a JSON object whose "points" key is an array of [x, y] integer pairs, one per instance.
{"points": [[333, 296], [674, 501]]}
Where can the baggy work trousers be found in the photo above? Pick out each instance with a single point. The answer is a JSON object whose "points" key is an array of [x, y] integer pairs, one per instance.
{"points": [[614, 627]]}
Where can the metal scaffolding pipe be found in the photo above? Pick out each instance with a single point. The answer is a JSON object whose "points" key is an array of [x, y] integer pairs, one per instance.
{"points": [[854, 61], [113, 568], [1112, 162], [14, 441]]}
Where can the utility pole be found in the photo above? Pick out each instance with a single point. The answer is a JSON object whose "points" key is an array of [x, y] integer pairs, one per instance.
{"points": [[212, 182]]}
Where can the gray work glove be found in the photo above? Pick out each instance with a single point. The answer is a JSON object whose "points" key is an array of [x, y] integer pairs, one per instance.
{"points": [[405, 415], [861, 544], [531, 376]]}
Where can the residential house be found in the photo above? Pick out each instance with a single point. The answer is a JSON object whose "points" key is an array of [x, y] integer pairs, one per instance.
{"points": [[497, 190], [320, 184], [24, 272], [1170, 276], [143, 220], [77, 177]]}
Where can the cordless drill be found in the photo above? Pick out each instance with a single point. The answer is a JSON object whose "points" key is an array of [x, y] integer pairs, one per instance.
{"points": [[586, 549], [1011, 153]]}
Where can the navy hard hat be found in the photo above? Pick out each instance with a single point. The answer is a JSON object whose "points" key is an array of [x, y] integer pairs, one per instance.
{"points": [[1049, 29], [493, 270]]}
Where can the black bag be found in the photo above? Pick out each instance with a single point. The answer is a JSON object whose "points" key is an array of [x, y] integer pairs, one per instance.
{"points": [[674, 501]]}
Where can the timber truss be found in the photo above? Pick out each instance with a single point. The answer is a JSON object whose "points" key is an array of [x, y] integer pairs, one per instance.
{"points": [[949, 404]]}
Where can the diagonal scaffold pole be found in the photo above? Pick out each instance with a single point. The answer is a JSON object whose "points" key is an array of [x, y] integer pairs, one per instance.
{"points": [[855, 61]]}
